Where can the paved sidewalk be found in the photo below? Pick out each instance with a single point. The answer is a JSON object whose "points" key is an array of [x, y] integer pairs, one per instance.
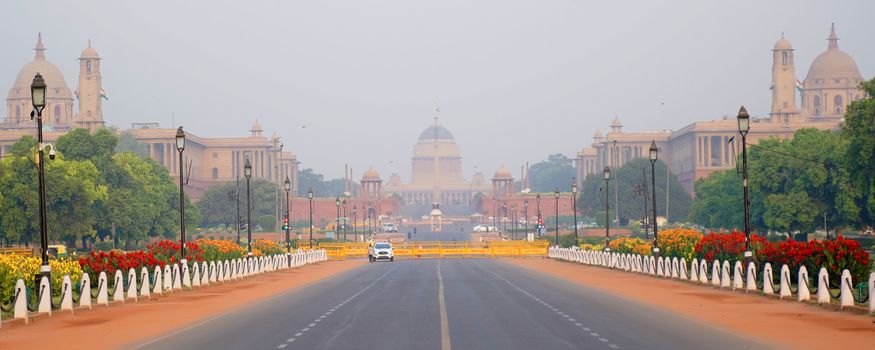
{"points": [[788, 323], [119, 325]]}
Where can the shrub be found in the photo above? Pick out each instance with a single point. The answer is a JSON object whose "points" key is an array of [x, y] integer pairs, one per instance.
{"points": [[679, 243], [14, 267], [267, 222], [168, 252], [220, 250], [266, 247]]}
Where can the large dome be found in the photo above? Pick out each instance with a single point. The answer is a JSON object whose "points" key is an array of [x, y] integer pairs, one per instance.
{"points": [[442, 133], [57, 86], [833, 63]]}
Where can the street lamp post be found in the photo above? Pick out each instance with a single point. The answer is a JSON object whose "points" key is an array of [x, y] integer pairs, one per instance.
{"points": [[180, 146], [513, 222], [247, 171], [344, 219], [355, 217], [504, 218], [556, 195], [607, 174], [337, 219], [654, 153], [538, 224], [310, 197], [237, 195], [494, 213], [288, 187], [743, 128], [526, 214], [574, 205], [38, 94]]}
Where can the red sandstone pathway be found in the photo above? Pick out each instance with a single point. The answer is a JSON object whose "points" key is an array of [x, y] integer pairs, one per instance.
{"points": [[787, 323], [123, 324]]}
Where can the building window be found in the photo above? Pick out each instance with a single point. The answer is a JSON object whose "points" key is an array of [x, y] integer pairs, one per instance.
{"points": [[838, 104], [17, 112], [784, 58], [88, 66], [215, 155], [816, 104], [57, 110], [215, 173]]}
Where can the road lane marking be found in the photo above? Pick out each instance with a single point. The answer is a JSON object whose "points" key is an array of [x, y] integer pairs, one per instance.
{"points": [[337, 307], [530, 295], [445, 323]]}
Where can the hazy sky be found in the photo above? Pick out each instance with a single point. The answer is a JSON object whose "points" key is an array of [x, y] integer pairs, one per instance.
{"points": [[515, 80]]}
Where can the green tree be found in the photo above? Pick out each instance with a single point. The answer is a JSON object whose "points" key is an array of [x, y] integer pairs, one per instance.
{"points": [[718, 203], [859, 158], [631, 205], [555, 172], [307, 179], [219, 207], [127, 142]]}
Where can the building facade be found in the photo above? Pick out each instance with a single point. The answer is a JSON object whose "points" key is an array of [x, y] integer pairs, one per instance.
{"points": [[207, 161], [701, 148]]}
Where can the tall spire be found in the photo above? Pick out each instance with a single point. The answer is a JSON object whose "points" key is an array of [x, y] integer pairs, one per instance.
{"points": [[40, 49], [833, 38]]}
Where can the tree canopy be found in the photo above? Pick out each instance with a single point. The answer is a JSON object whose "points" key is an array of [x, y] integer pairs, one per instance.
{"points": [[555, 172]]}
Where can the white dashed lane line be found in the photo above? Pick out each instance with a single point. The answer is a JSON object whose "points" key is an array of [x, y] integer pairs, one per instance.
{"points": [[332, 310], [554, 309]]}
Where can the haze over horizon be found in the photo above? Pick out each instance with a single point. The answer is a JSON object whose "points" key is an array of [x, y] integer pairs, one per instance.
{"points": [[355, 82]]}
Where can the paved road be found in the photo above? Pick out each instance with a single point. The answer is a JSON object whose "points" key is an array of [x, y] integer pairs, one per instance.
{"points": [[448, 304]]}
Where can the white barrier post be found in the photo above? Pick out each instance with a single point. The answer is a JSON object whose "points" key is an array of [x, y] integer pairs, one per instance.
{"points": [[102, 289], [694, 270], [703, 272], [724, 274], [176, 277], [846, 298], [736, 276], [659, 270], [674, 267], [715, 273], [67, 294], [132, 285], [751, 284], [85, 291], [144, 286], [196, 275], [20, 311], [822, 286], [871, 292], [784, 290], [205, 274], [118, 281], [768, 278], [45, 296], [159, 288], [214, 277], [186, 276], [168, 278], [803, 293]]}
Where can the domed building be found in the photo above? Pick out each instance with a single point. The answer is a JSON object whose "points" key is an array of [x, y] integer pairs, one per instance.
{"points": [[436, 177], [58, 113], [832, 82]]}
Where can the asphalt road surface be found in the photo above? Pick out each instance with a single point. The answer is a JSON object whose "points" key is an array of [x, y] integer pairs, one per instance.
{"points": [[448, 304]]}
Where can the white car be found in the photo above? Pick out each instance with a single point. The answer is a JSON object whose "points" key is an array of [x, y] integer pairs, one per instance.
{"points": [[381, 251]]}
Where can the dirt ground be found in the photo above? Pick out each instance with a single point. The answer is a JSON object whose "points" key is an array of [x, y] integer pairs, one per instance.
{"points": [[124, 324], [785, 323]]}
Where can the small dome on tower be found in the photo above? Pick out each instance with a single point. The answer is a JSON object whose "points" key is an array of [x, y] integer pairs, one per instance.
{"points": [[597, 134], [371, 175], [783, 44], [502, 174], [89, 52]]}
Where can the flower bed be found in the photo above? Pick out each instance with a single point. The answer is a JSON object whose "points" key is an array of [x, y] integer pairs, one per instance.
{"points": [[216, 249], [14, 267], [679, 243], [265, 247], [727, 246], [630, 245]]}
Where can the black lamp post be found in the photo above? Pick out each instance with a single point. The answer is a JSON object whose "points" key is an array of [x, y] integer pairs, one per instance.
{"points": [[288, 187], [344, 219], [607, 175], [494, 213], [556, 194], [504, 218], [743, 128], [237, 197], [337, 219], [513, 220], [38, 95], [355, 217], [574, 205], [526, 214], [180, 146], [539, 223], [247, 171], [654, 154], [310, 197]]}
